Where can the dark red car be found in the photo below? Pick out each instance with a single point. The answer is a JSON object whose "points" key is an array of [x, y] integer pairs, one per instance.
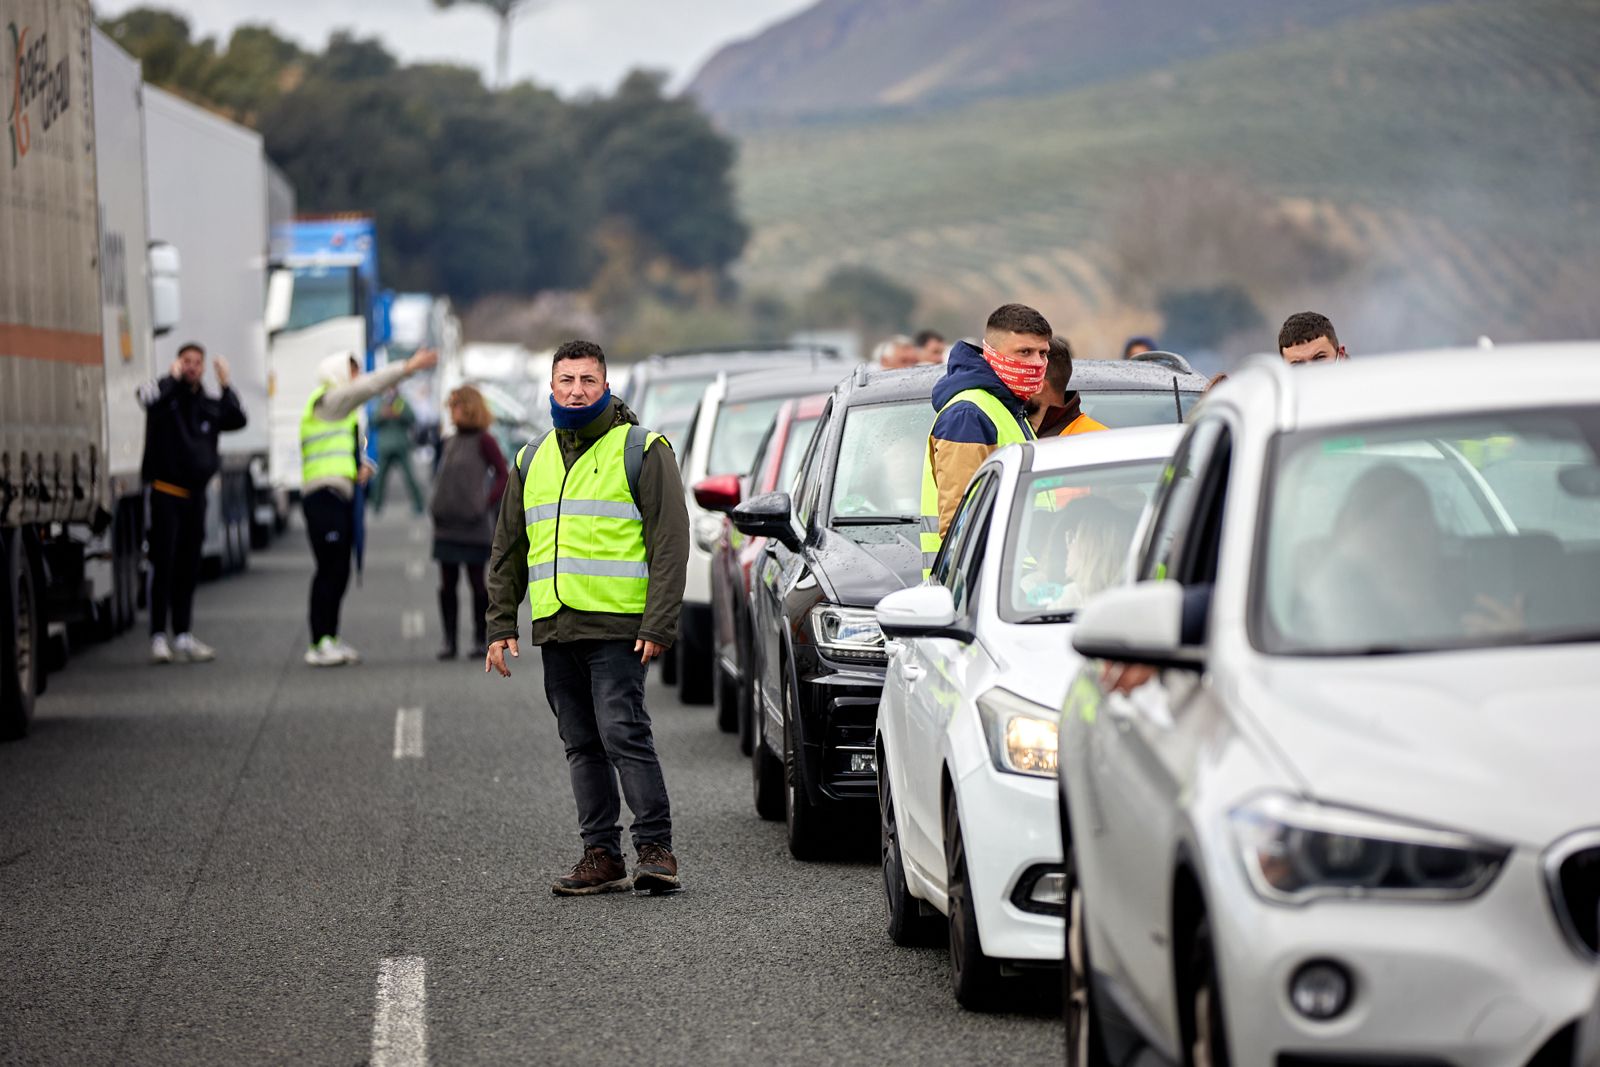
{"points": [[774, 468]]}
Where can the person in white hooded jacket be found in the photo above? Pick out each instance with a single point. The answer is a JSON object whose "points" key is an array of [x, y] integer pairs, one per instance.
{"points": [[332, 462]]}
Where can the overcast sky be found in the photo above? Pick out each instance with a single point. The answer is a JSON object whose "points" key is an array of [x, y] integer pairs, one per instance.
{"points": [[571, 45]]}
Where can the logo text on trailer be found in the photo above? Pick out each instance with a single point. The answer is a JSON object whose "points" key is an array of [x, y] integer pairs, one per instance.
{"points": [[32, 80]]}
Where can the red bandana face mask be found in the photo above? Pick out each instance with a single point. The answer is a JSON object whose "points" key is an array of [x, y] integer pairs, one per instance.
{"points": [[1024, 379]]}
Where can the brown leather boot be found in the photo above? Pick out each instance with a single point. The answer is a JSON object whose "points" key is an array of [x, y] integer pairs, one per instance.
{"points": [[598, 872], [657, 871]]}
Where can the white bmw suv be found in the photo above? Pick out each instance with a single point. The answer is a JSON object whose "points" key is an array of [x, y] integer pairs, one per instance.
{"points": [[1331, 793]]}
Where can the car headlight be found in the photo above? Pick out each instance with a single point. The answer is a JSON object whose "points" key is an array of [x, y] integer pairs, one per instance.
{"points": [[1021, 734], [1295, 850], [848, 633]]}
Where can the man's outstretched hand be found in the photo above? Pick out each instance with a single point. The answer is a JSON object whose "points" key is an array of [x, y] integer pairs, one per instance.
{"points": [[496, 659]]}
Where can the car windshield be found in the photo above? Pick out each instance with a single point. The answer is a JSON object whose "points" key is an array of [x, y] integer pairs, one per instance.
{"points": [[794, 449], [1432, 535], [667, 405], [1118, 410], [879, 473], [738, 433], [1069, 537]]}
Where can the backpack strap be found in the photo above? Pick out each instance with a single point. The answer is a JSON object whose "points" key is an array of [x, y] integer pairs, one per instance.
{"points": [[633, 450], [525, 456]]}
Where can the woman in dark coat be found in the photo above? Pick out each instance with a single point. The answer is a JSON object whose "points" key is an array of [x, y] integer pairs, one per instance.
{"points": [[466, 496]]}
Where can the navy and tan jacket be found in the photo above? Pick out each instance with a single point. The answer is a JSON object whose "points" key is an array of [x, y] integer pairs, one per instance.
{"points": [[962, 436]]}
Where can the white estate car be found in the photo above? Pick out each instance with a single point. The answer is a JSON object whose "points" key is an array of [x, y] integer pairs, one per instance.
{"points": [[978, 666], [1347, 810]]}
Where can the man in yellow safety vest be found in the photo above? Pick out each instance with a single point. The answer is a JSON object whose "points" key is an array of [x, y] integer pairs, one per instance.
{"points": [[594, 533], [980, 405]]}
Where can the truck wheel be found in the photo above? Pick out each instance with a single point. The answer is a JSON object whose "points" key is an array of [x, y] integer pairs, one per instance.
{"points": [[21, 637]]}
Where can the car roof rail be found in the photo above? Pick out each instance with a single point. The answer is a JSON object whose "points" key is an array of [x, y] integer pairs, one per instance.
{"points": [[1282, 383], [859, 377], [1165, 359]]}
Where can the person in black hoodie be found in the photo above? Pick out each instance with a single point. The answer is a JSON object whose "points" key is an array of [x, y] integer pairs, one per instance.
{"points": [[182, 423]]}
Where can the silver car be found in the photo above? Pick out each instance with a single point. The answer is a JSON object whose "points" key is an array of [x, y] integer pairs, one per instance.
{"points": [[1330, 778]]}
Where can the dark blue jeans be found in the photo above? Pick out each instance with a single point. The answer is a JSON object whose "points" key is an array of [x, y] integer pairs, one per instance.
{"points": [[596, 689]]}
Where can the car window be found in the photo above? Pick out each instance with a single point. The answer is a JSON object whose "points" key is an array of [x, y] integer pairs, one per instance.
{"points": [[763, 460], [737, 434], [947, 566], [667, 405], [807, 486], [1070, 535], [879, 473], [800, 434], [969, 558], [1430, 534], [1122, 409], [1180, 480]]}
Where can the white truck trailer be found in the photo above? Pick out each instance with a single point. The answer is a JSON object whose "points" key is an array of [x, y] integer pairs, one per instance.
{"points": [[208, 195], [53, 467]]}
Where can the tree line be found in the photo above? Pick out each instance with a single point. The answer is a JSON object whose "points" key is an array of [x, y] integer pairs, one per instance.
{"points": [[475, 191]]}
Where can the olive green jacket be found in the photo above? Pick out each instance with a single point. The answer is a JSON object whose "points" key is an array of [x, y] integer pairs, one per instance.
{"points": [[666, 539]]}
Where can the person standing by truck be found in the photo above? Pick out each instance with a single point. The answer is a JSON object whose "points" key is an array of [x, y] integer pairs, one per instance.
{"points": [[182, 423], [331, 463]]}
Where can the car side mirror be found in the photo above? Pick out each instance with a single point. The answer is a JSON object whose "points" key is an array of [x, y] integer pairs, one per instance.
{"points": [[768, 515], [926, 610], [280, 296], [166, 301], [1140, 623], [720, 492]]}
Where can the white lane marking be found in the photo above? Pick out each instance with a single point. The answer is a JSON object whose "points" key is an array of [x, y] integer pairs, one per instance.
{"points": [[415, 568], [400, 1024], [411, 624], [408, 733], [416, 535]]}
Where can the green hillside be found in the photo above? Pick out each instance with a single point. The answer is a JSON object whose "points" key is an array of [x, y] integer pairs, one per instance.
{"points": [[1447, 157]]}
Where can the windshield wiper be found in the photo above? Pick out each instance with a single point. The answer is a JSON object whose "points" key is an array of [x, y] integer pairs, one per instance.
{"points": [[1054, 616], [875, 520]]}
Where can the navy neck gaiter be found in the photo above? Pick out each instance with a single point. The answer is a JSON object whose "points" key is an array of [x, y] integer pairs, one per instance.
{"points": [[566, 418]]}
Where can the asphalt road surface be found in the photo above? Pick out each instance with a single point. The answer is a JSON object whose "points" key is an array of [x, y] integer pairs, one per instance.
{"points": [[252, 861]]}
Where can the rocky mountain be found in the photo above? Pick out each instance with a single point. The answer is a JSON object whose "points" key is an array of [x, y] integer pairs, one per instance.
{"points": [[842, 56]]}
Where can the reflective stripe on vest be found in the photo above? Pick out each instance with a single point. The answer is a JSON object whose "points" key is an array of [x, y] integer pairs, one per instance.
{"points": [[328, 449], [586, 547], [1007, 431]]}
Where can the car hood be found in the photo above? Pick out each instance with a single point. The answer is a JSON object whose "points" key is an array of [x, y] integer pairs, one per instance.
{"points": [[1500, 743], [1018, 651], [860, 565]]}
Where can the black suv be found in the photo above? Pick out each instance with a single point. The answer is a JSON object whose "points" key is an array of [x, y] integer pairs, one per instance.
{"points": [[846, 538]]}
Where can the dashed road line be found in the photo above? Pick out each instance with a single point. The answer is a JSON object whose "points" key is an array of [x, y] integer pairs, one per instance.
{"points": [[415, 569], [408, 733], [411, 624], [400, 1023]]}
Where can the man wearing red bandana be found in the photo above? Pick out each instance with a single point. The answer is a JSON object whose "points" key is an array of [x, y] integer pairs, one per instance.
{"points": [[980, 407]]}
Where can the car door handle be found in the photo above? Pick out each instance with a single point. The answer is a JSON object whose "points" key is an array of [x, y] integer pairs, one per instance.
{"points": [[910, 671]]}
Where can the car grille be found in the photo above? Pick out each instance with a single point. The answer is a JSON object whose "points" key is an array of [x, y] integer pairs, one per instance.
{"points": [[1574, 878]]}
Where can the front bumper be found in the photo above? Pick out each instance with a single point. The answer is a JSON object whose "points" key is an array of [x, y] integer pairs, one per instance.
{"points": [[1490, 982], [836, 720], [1011, 831]]}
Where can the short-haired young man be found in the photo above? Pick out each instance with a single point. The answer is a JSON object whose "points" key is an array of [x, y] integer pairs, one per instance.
{"points": [[594, 533], [980, 407], [930, 345], [1307, 337], [1058, 411], [181, 424]]}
